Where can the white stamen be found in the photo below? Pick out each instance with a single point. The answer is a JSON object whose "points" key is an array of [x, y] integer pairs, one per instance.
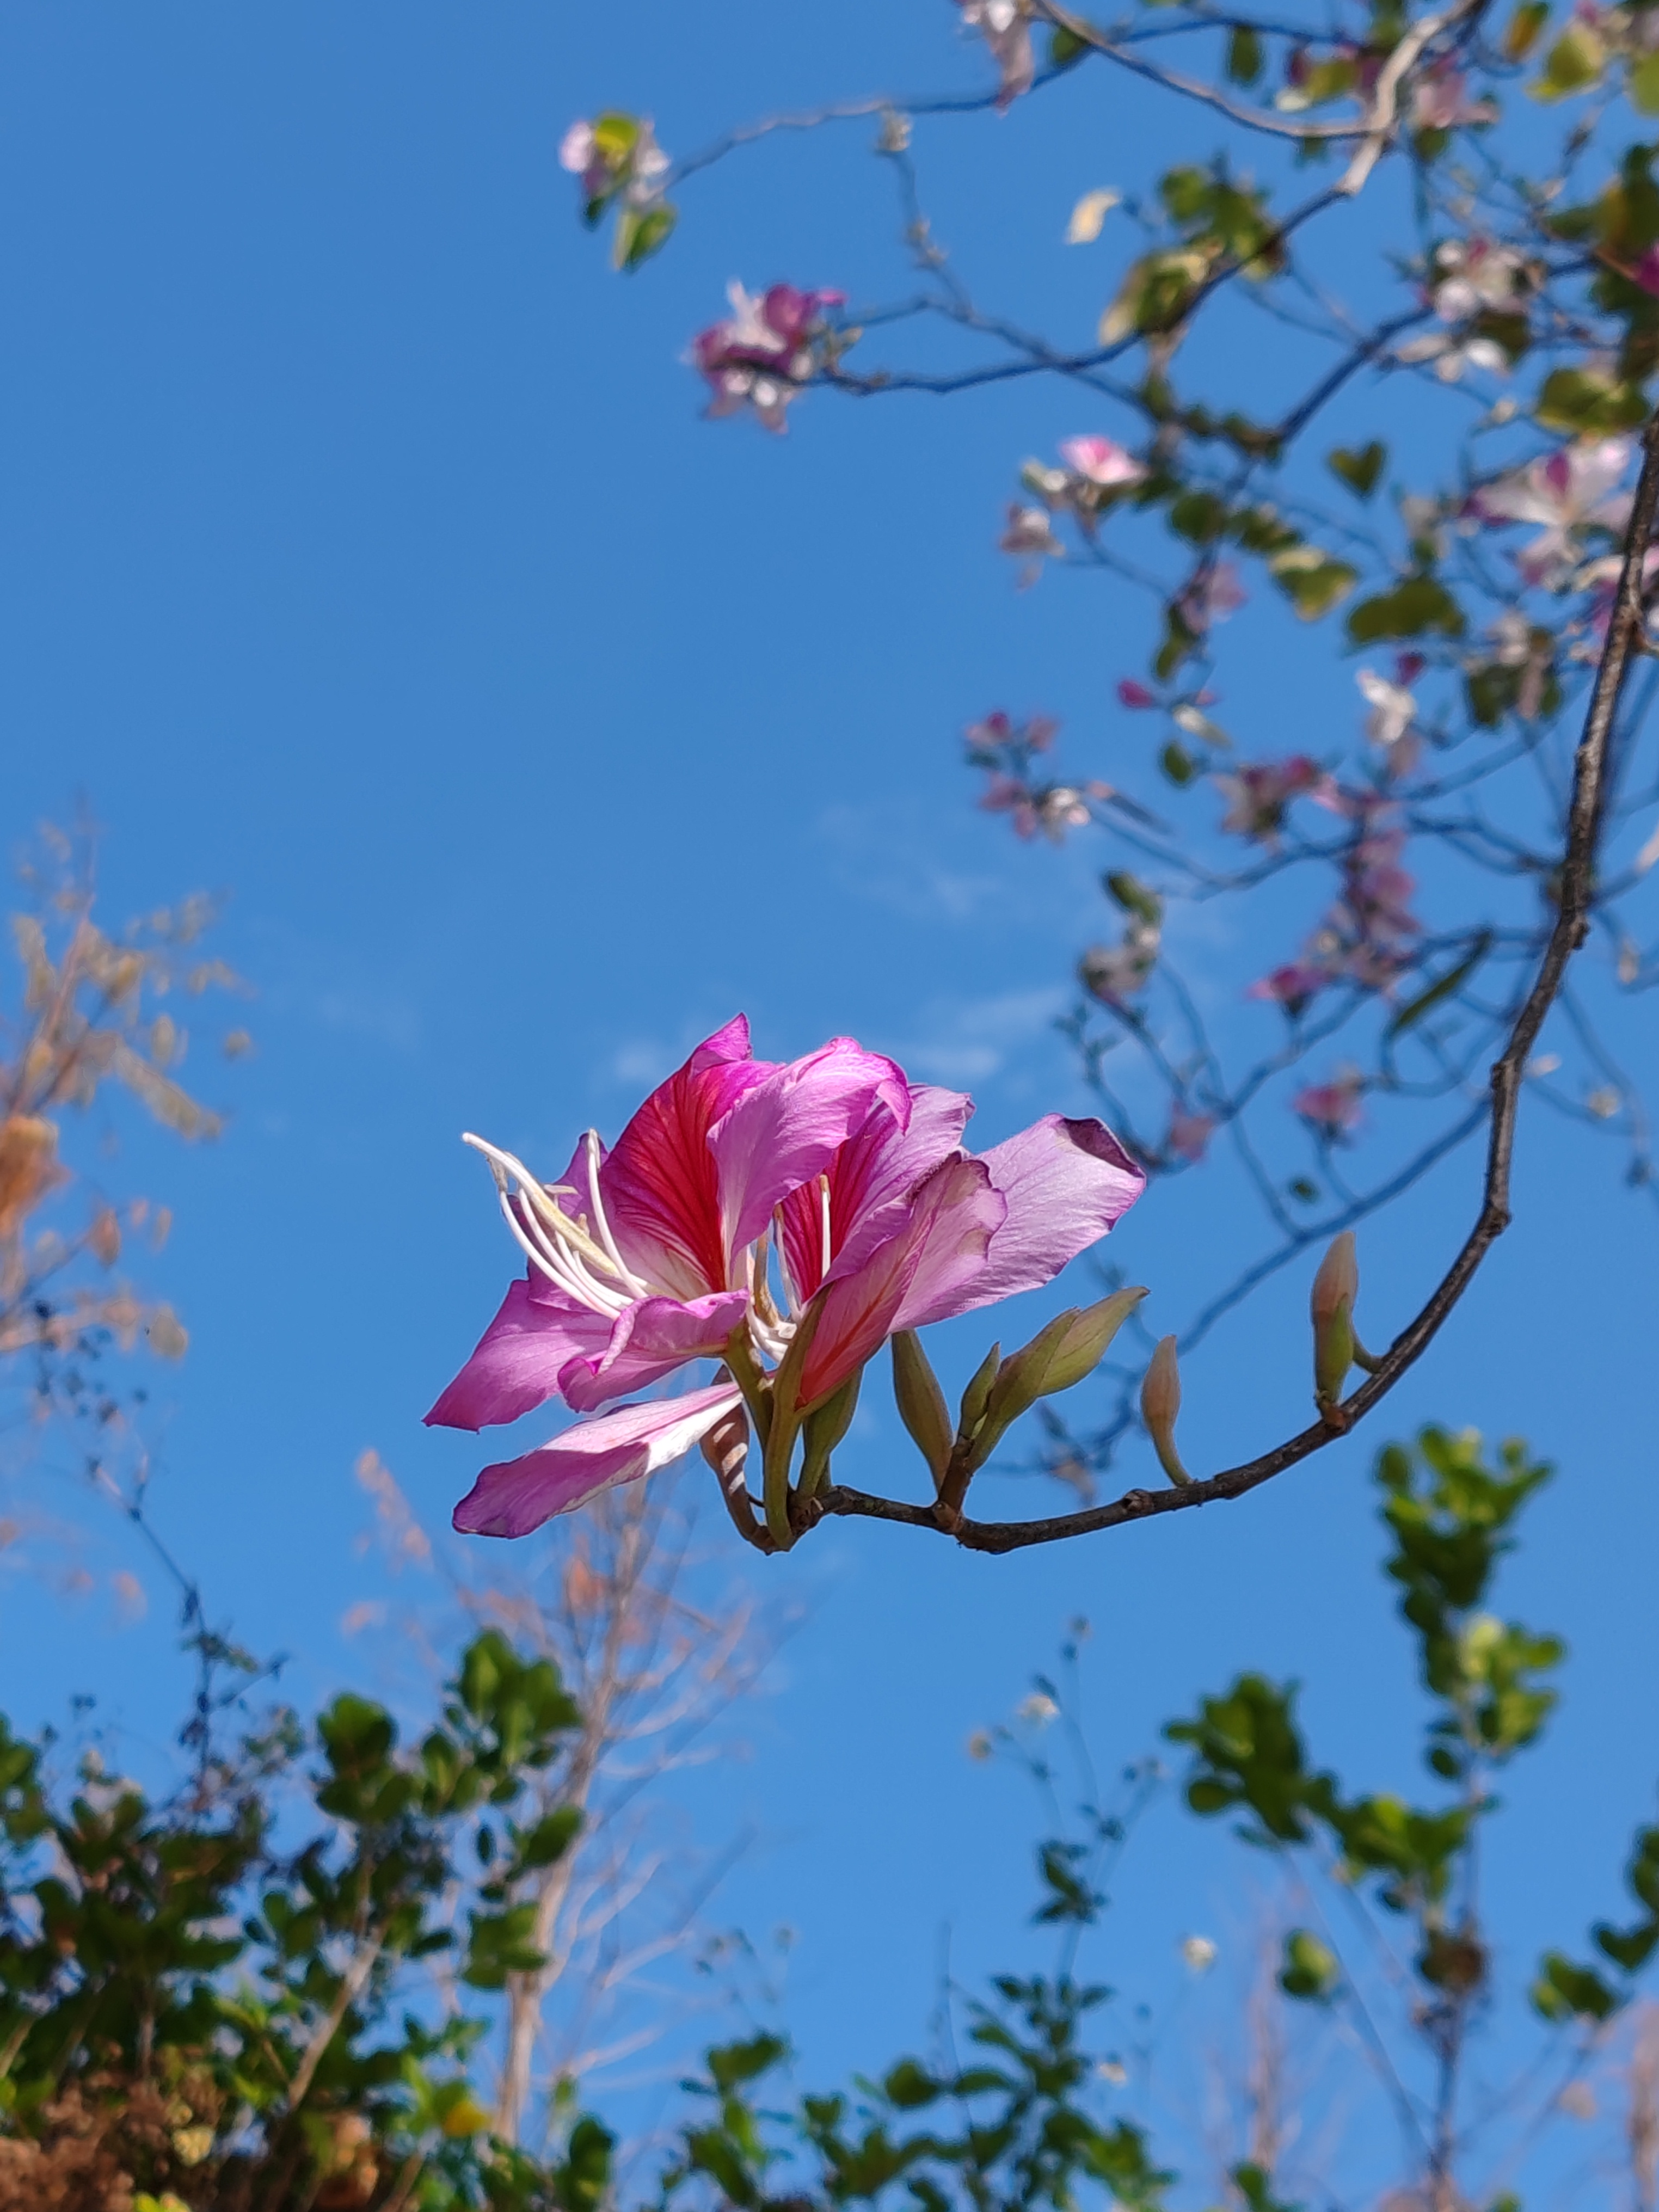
{"points": [[550, 1239], [639, 1290], [824, 1200], [602, 1297]]}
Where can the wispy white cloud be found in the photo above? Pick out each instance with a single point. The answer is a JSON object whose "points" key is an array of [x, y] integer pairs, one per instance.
{"points": [[972, 1040]]}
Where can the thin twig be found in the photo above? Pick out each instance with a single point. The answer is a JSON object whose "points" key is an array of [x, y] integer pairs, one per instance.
{"points": [[1576, 894]]}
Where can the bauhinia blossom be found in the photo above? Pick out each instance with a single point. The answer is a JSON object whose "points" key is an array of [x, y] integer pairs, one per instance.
{"points": [[785, 1218], [1393, 710], [762, 354], [1332, 1110], [1258, 793], [1006, 30], [1101, 461], [1097, 474], [1566, 491]]}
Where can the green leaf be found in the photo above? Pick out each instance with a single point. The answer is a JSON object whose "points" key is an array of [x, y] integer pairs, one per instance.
{"points": [[732, 2064], [1312, 580], [1563, 1991], [1243, 55], [910, 2087], [551, 1837], [1573, 63], [1575, 399], [1133, 896], [1443, 988], [641, 232], [1358, 467], [1644, 86], [1198, 516], [1177, 763], [1310, 1970], [1065, 48], [1520, 33], [1630, 1950], [1419, 605]]}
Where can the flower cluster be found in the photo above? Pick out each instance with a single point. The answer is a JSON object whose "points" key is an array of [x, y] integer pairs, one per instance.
{"points": [[1097, 475], [1366, 938], [1009, 751], [764, 352], [1478, 288], [617, 162], [784, 1218], [1332, 1110], [1567, 492], [1258, 793], [1006, 30]]}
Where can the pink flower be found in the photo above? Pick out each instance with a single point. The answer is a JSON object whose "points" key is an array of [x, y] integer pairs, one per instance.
{"points": [[516, 1496], [1646, 271], [1565, 490], [614, 154], [1471, 275], [1258, 793], [1004, 26], [1100, 461], [1029, 535], [762, 354], [1215, 593], [1440, 99], [1292, 986], [1332, 1110], [658, 1252], [1134, 695], [1116, 973], [1189, 1135], [873, 1250]]}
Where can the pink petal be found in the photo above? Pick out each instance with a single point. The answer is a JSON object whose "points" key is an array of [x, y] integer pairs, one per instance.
{"points": [[651, 1340], [516, 1364], [871, 1178], [661, 1193], [786, 1130], [934, 1260], [517, 1495], [1066, 1184]]}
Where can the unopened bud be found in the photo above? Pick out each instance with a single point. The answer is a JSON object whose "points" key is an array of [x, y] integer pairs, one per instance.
{"points": [[920, 1401], [1336, 1287], [977, 1396], [1083, 1347], [1338, 1279], [1160, 1405]]}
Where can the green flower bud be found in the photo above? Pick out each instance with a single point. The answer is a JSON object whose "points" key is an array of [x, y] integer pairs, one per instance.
{"points": [[1160, 1404], [922, 1402]]}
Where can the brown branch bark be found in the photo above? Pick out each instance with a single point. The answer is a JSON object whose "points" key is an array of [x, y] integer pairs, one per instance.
{"points": [[1575, 892]]}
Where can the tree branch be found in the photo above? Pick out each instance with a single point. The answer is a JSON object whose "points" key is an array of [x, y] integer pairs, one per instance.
{"points": [[1575, 894]]}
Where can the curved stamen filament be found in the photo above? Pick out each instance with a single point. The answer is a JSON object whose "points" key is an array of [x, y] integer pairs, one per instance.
{"points": [[639, 1290], [823, 1205], [559, 1246], [601, 1298]]}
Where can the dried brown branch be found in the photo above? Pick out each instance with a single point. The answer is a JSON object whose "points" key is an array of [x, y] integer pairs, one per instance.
{"points": [[1576, 894]]}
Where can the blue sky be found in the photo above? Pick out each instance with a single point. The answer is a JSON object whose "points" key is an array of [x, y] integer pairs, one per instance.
{"points": [[363, 556]]}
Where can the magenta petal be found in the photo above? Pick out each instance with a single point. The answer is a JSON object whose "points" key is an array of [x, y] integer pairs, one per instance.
{"points": [[1066, 1184], [651, 1340], [517, 1495], [661, 1188], [516, 1364], [786, 1130], [878, 1173], [727, 1044], [937, 1257]]}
